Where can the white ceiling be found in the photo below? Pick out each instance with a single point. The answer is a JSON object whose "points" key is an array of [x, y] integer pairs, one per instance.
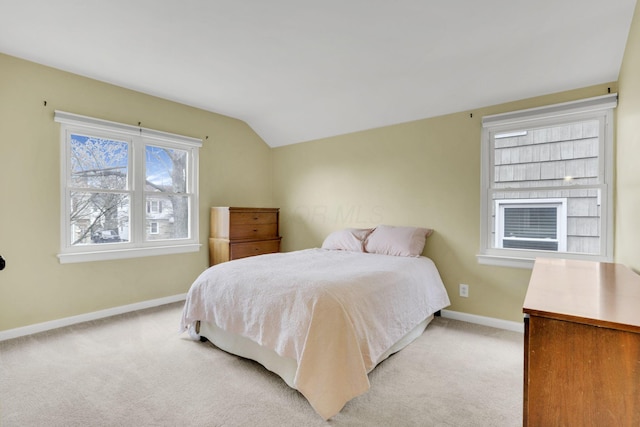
{"points": [[299, 70]]}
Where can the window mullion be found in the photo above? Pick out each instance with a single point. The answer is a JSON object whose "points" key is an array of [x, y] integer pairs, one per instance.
{"points": [[138, 214]]}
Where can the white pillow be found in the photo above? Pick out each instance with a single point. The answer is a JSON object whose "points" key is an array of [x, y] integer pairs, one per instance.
{"points": [[398, 241], [349, 239]]}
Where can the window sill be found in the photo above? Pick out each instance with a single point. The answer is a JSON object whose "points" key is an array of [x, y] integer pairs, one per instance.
{"points": [[504, 261], [68, 258], [527, 262]]}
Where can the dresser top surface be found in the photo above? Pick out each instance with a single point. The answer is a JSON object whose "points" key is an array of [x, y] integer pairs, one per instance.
{"points": [[597, 293]]}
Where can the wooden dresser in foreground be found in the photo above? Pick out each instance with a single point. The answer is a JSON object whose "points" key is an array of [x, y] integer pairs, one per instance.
{"points": [[582, 345], [242, 232]]}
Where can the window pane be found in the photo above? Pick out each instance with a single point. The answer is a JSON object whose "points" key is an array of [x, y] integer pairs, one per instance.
{"points": [[560, 155], [166, 169], [99, 163], [99, 218], [167, 216]]}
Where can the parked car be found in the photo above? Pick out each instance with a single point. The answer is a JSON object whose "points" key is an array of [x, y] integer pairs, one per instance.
{"points": [[105, 236]]}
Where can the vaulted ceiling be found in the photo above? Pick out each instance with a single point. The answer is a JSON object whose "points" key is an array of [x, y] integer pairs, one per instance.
{"points": [[298, 70]]}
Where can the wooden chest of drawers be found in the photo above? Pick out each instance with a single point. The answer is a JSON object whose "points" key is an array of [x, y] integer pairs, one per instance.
{"points": [[582, 345], [242, 232]]}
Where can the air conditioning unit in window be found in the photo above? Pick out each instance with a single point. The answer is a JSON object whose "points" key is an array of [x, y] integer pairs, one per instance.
{"points": [[532, 224]]}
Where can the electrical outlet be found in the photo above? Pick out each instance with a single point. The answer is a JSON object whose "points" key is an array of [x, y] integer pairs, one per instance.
{"points": [[464, 290]]}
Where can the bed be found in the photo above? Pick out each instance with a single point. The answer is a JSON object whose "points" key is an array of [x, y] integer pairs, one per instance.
{"points": [[321, 318]]}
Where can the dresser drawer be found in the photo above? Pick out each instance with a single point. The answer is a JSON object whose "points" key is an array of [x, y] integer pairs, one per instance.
{"points": [[247, 249], [240, 218], [253, 231]]}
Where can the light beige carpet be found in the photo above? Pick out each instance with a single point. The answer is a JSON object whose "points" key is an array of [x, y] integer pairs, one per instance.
{"points": [[136, 370]]}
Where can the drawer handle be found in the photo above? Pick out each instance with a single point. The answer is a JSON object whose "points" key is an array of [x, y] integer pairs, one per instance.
{"points": [[255, 230]]}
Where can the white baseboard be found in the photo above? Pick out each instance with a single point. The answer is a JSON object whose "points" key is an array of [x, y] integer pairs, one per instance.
{"points": [[485, 321], [67, 321]]}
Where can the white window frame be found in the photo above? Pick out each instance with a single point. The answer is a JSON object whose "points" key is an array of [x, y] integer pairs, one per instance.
{"points": [[138, 138], [597, 108], [561, 219]]}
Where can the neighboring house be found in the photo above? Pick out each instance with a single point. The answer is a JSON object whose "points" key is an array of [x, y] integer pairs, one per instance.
{"points": [[99, 228], [160, 218]]}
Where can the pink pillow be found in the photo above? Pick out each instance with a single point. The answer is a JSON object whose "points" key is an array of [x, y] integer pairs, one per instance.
{"points": [[349, 239], [398, 241]]}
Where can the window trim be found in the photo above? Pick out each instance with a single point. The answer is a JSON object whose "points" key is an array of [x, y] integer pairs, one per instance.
{"points": [[138, 138], [600, 108]]}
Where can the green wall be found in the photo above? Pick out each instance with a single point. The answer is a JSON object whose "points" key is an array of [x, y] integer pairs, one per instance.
{"points": [[235, 169]]}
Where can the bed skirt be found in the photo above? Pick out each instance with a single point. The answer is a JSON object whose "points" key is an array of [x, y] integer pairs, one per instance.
{"points": [[284, 367]]}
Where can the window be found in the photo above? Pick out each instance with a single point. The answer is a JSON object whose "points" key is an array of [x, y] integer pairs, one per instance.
{"points": [[153, 228], [547, 183], [126, 191], [154, 206]]}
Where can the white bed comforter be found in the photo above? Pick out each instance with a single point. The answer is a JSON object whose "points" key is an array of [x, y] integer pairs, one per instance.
{"points": [[334, 312]]}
